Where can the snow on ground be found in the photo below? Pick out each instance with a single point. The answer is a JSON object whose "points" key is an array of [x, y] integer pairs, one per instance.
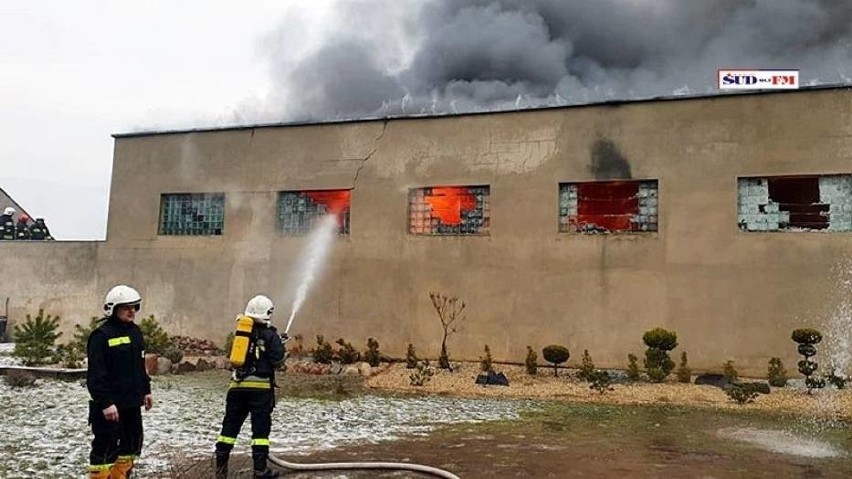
{"points": [[43, 432]]}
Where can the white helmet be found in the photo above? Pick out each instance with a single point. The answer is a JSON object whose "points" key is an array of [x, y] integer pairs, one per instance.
{"points": [[119, 295], [260, 307], [9, 211]]}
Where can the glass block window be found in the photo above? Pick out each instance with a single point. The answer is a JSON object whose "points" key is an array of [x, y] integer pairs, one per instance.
{"points": [[298, 211], [795, 203], [623, 206], [454, 210], [192, 214]]}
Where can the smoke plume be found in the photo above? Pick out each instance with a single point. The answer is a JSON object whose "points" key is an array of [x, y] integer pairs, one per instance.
{"points": [[404, 57]]}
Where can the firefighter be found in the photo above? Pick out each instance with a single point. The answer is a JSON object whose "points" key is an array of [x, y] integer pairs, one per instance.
{"points": [[39, 230], [22, 227], [119, 386], [7, 224], [251, 392]]}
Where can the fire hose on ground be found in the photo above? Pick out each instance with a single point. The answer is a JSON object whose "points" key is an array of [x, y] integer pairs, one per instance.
{"points": [[338, 466]]}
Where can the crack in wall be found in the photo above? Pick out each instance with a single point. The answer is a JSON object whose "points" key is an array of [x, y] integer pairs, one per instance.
{"points": [[371, 153]]}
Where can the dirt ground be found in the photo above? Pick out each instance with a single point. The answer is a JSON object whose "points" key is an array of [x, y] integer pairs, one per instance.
{"points": [[636, 430]]}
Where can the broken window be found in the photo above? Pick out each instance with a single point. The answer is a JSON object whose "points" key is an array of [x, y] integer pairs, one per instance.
{"points": [[298, 211], [453, 210], [795, 203], [622, 206], [192, 214]]}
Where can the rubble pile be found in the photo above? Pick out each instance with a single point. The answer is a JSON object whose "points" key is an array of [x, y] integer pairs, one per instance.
{"points": [[197, 347]]}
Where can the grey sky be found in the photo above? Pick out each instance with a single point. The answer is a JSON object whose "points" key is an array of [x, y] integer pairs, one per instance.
{"points": [[75, 72]]}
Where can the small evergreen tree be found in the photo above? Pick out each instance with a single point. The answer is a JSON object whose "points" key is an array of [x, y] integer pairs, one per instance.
{"points": [[35, 339], [411, 358], [485, 362], [683, 373], [730, 371], [633, 367], [422, 374], [600, 381], [348, 354], [587, 367], [776, 374], [157, 341], [531, 361], [372, 355]]}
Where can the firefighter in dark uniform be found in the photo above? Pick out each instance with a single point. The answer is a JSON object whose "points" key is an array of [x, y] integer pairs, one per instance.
{"points": [[22, 227], [7, 224], [119, 386], [251, 392]]}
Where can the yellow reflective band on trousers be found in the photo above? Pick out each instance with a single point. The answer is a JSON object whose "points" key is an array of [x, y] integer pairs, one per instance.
{"points": [[227, 440], [99, 467], [250, 385], [260, 442], [119, 340]]}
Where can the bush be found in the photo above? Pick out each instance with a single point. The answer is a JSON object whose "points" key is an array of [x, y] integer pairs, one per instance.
{"points": [[659, 338], [806, 336], [555, 354], [35, 339], [658, 364], [776, 374], [157, 341], [587, 367], [411, 359], [19, 379], [600, 381], [174, 354], [485, 362], [835, 379], [348, 354], [742, 393], [531, 362], [422, 374], [322, 353], [298, 346], [69, 356], [372, 356], [730, 372], [81, 334], [633, 367], [683, 373]]}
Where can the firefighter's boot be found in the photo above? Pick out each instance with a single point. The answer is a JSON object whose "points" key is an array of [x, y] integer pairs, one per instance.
{"points": [[121, 469], [222, 466], [98, 472]]}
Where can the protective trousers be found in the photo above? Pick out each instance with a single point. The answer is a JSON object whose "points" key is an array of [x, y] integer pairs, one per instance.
{"points": [[116, 444], [238, 405]]}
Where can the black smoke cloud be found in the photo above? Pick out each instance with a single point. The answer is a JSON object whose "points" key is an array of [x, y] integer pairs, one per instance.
{"points": [[402, 57]]}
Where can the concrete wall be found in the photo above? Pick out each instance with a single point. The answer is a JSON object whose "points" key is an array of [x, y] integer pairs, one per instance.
{"points": [[729, 294]]}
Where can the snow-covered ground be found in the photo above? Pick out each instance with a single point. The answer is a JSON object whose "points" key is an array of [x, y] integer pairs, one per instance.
{"points": [[43, 430]]}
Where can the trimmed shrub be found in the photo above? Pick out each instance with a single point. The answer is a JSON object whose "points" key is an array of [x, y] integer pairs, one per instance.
{"points": [[485, 362], [347, 353], [69, 356], [806, 336], [422, 374], [411, 358], [600, 381], [35, 339], [683, 373], [730, 371], [555, 354], [323, 352], [587, 367], [658, 364], [776, 374], [531, 361], [742, 393], [633, 367], [372, 355], [16, 378]]}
